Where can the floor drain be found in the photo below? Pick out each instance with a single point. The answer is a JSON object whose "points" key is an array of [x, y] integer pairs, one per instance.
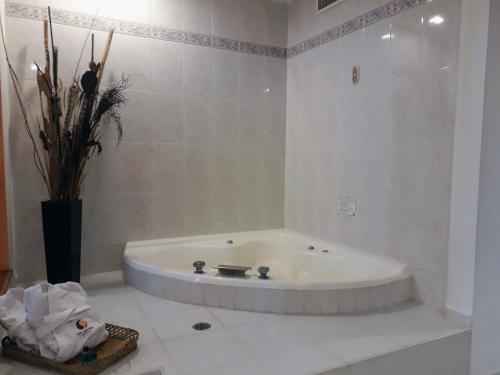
{"points": [[201, 326]]}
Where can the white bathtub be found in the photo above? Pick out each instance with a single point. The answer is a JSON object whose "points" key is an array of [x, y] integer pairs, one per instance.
{"points": [[328, 279]]}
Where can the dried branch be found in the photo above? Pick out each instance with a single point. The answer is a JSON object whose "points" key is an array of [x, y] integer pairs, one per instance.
{"points": [[71, 117]]}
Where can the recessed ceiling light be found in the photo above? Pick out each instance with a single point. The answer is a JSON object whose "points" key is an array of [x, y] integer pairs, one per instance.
{"points": [[436, 20]]}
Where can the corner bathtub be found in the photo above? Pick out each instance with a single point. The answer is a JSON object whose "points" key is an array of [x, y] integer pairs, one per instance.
{"points": [[329, 279]]}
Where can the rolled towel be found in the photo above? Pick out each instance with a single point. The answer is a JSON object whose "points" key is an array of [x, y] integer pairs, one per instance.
{"points": [[13, 318], [63, 320]]}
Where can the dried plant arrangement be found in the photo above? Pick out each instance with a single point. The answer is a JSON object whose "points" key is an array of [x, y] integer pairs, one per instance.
{"points": [[67, 132]]}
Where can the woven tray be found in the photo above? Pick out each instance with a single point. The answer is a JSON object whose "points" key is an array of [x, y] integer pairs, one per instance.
{"points": [[121, 342]]}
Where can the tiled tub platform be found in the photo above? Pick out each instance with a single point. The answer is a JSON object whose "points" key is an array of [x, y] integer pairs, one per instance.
{"points": [[307, 275], [414, 340]]}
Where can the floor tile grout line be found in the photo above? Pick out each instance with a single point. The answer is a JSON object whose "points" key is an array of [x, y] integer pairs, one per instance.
{"points": [[247, 347], [436, 325], [321, 344], [398, 346], [217, 329], [379, 334], [428, 340], [212, 329], [444, 333], [271, 315], [155, 314], [252, 356], [185, 307], [335, 356], [215, 317], [160, 299], [169, 356], [369, 356]]}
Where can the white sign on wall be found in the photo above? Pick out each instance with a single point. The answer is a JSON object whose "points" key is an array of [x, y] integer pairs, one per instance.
{"points": [[346, 206]]}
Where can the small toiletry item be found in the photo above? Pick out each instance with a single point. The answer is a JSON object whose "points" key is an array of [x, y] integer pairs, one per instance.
{"points": [[88, 356]]}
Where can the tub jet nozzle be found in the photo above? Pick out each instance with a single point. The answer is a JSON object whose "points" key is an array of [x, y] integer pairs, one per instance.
{"points": [[263, 272], [198, 265]]}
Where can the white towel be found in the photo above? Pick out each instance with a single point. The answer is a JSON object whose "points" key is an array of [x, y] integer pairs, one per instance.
{"points": [[13, 319], [63, 320]]}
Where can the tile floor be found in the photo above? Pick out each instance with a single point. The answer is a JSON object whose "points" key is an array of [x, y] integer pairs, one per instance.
{"points": [[243, 343]]}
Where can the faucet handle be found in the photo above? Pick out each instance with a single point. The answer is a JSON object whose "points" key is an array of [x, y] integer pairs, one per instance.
{"points": [[263, 272], [199, 264]]}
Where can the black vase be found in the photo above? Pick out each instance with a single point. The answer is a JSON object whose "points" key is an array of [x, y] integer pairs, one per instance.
{"points": [[62, 234]]}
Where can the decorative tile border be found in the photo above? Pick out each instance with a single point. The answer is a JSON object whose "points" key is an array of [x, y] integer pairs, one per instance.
{"points": [[63, 17], [385, 11], [157, 32]]}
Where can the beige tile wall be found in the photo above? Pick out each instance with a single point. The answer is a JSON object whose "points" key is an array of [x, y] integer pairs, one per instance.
{"points": [[204, 130], [387, 141], [209, 156]]}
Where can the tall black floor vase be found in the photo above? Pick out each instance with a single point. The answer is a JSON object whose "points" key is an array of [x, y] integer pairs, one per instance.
{"points": [[62, 233]]}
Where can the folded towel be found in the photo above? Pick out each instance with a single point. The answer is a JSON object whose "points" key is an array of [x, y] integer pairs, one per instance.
{"points": [[13, 318], [63, 320]]}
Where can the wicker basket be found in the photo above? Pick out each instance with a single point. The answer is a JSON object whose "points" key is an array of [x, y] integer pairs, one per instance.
{"points": [[121, 342]]}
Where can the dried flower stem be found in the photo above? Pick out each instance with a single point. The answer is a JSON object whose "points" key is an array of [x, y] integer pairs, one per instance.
{"points": [[104, 58], [71, 118]]}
